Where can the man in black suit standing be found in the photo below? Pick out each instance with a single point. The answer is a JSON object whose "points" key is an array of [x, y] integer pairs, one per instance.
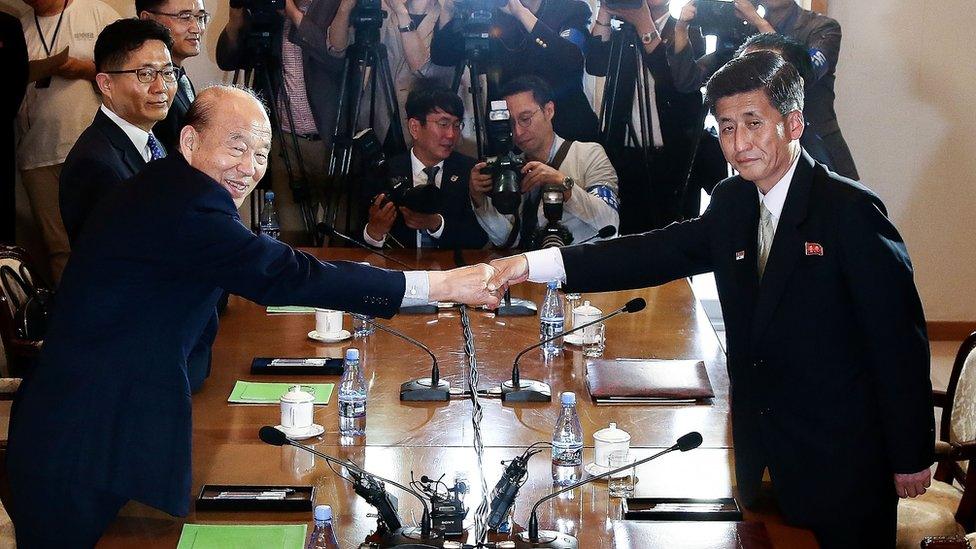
{"points": [[186, 21], [434, 116], [136, 78], [106, 415], [828, 356]]}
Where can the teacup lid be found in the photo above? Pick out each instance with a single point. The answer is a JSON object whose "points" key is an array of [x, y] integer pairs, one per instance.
{"points": [[296, 394], [587, 310], [611, 434]]}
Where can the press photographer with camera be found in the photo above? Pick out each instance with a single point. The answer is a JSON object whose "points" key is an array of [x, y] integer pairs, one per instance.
{"points": [[820, 34], [423, 200], [581, 171], [546, 38], [287, 39]]}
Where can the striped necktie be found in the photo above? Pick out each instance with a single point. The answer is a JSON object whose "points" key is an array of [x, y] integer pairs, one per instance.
{"points": [[766, 233], [427, 241]]}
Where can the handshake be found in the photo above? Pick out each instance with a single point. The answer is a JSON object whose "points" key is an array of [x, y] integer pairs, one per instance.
{"points": [[480, 284]]}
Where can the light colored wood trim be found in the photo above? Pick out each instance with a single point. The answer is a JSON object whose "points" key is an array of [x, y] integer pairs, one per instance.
{"points": [[819, 6], [942, 330]]}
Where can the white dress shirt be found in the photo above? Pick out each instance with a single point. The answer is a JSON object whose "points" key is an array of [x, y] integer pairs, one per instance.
{"points": [[419, 178], [775, 199], [138, 136]]}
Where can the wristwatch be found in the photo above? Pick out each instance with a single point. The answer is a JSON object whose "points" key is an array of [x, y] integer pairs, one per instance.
{"points": [[406, 28], [568, 183], [649, 37]]}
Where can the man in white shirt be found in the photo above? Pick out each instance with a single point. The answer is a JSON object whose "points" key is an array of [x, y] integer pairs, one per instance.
{"points": [[137, 81], [583, 170], [828, 358], [58, 109]]}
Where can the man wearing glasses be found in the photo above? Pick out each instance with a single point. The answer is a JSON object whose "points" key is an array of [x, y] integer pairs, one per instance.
{"points": [[439, 214], [186, 21], [588, 179], [137, 81]]}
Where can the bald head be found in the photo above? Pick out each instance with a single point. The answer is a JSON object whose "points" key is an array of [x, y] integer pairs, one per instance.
{"points": [[228, 137]]}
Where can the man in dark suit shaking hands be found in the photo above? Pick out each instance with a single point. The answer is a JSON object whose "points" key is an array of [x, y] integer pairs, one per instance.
{"points": [[828, 356], [105, 416], [441, 216], [136, 78]]}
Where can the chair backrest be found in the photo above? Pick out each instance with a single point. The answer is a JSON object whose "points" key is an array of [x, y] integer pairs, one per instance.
{"points": [[14, 348], [959, 419]]}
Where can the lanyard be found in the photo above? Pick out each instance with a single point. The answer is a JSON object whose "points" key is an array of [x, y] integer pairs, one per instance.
{"points": [[57, 27]]}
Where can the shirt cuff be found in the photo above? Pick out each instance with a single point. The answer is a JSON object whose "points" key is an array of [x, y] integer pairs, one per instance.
{"points": [[546, 265], [438, 232], [371, 241], [417, 290]]}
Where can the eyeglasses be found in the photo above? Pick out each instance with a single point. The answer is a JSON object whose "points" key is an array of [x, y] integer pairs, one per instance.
{"points": [[147, 75], [202, 17], [525, 120], [444, 123]]}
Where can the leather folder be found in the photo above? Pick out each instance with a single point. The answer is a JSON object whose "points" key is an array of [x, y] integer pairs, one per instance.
{"points": [[714, 535], [630, 381]]}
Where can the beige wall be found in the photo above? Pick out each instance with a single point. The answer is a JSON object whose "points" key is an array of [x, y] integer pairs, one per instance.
{"points": [[906, 99]]}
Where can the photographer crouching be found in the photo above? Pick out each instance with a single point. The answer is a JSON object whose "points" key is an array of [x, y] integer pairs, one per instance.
{"points": [[286, 43], [569, 185]]}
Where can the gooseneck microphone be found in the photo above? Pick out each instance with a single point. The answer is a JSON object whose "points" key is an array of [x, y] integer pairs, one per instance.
{"points": [[605, 232], [427, 389], [366, 485], [325, 228], [545, 538], [528, 390]]}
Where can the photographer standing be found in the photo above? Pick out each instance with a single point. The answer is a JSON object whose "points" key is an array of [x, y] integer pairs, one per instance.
{"points": [[545, 38], [298, 58], [819, 33], [581, 170]]}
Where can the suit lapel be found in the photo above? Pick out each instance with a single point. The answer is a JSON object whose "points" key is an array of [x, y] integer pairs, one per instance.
{"points": [[127, 151], [786, 249], [744, 244]]}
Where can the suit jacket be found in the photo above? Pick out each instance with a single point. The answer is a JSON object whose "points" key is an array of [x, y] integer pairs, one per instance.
{"points": [[167, 131], [108, 405], [101, 159], [828, 356], [461, 228], [553, 51]]}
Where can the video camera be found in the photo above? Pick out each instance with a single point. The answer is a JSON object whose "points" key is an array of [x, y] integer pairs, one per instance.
{"points": [[505, 167], [718, 18], [367, 18]]}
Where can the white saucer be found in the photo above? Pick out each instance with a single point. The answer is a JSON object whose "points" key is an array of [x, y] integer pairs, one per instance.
{"points": [[330, 338], [313, 431], [593, 469], [574, 339]]}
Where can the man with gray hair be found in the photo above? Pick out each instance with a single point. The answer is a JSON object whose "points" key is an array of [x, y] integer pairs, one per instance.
{"points": [[105, 417]]}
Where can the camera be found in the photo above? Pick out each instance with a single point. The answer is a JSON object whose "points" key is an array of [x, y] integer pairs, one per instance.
{"points": [[259, 6], [505, 166], [718, 18], [368, 15], [553, 234], [623, 4], [425, 198]]}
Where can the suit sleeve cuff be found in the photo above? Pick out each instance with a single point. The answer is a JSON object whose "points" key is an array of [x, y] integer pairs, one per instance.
{"points": [[417, 289], [546, 265]]}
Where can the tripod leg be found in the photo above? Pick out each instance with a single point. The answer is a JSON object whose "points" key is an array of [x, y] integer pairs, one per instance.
{"points": [[382, 67]]}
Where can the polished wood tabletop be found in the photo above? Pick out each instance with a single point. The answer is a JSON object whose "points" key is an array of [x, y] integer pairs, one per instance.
{"points": [[437, 438]]}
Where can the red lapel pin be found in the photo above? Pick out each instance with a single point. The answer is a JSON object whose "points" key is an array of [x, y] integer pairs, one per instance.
{"points": [[813, 248]]}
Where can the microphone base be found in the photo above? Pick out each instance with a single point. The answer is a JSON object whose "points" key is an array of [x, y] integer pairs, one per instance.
{"points": [[548, 538], [419, 310], [410, 537], [420, 390], [518, 307], [528, 390]]}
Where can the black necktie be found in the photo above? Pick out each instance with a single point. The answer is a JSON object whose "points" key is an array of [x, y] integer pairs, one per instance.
{"points": [[427, 241]]}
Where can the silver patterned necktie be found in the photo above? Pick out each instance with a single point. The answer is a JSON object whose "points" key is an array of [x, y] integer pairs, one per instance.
{"points": [[427, 241], [766, 232]]}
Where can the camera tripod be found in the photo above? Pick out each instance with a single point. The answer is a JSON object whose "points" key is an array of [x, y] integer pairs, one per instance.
{"points": [[617, 128], [367, 67]]}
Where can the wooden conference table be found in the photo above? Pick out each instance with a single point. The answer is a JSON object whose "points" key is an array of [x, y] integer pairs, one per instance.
{"points": [[436, 438]]}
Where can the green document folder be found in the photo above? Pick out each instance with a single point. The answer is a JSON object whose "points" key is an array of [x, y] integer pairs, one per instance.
{"points": [[251, 536], [290, 310], [253, 392]]}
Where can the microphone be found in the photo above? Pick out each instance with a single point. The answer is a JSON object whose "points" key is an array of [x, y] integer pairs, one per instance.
{"points": [[528, 390], [546, 538], [507, 487], [427, 389], [605, 232], [367, 486], [325, 228]]}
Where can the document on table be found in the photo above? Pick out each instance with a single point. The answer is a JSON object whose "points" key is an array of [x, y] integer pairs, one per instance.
{"points": [[242, 536], [253, 392]]}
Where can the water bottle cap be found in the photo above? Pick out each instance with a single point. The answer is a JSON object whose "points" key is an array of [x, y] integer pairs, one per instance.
{"points": [[352, 354], [568, 398], [553, 284], [323, 513], [269, 195]]}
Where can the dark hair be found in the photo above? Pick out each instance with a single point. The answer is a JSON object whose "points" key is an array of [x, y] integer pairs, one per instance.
{"points": [[119, 39], [794, 51], [541, 92], [148, 5], [429, 95], [759, 70]]}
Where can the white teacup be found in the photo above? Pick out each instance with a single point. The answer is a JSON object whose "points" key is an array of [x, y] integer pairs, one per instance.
{"points": [[328, 322], [607, 441], [296, 410]]}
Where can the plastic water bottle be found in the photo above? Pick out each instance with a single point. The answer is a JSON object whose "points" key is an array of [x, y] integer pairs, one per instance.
{"points": [[567, 444], [551, 320], [269, 217], [352, 397], [323, 536]]}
